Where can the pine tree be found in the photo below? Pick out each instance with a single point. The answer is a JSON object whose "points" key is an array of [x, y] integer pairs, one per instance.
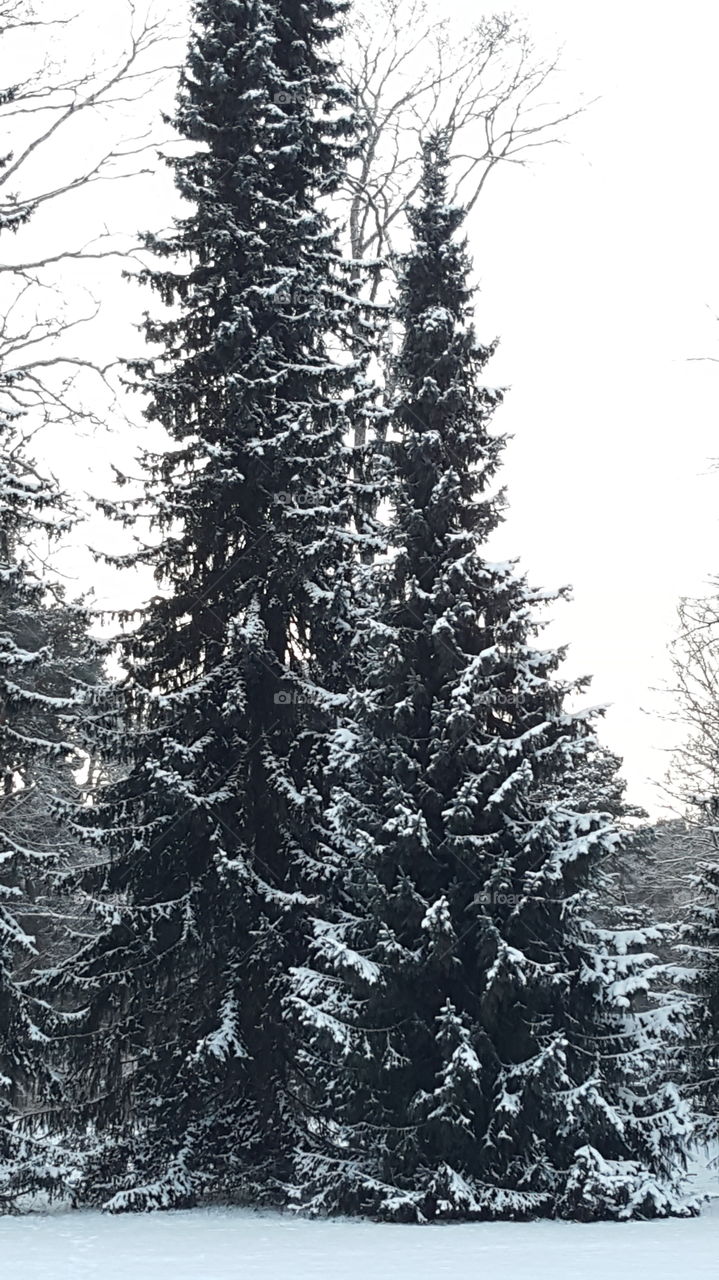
{"points": [[212, 841], [467, 1046]]}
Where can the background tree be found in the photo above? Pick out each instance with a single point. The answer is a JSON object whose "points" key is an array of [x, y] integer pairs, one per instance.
{"points": [[694, 777], [65, 132], [410, 68], [45, 655], [694, 784], [35, 753], [700, 948]]}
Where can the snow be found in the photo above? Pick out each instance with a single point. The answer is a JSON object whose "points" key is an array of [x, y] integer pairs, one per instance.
{"points": [[237, 1244]]}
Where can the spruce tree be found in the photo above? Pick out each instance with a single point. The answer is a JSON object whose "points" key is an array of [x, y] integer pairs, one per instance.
{"points": [[211, 843], [44, 656], [467, 1045]]}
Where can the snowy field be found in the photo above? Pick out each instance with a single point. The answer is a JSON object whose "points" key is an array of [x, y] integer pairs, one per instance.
{"points": [[236, 1244]]}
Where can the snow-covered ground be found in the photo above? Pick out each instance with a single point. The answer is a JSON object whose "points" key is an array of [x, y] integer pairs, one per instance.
{"points": [[235, 1244]]}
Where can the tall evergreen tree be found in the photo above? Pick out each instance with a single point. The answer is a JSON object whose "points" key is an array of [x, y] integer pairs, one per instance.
{"points": [[211, 842], [467, 1045]]}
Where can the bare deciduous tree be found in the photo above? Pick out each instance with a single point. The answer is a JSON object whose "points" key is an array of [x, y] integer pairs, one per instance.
{"points": [[409, 71], [694, 779], [62, 130]]}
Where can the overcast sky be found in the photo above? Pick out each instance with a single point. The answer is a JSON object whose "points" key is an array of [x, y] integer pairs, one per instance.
{"points": [[599, 273]]}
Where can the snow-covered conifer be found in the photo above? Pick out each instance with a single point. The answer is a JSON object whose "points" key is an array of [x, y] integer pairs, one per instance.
{"points": [[44, 654], [212, 840], [700, 949], [469, 1045]]}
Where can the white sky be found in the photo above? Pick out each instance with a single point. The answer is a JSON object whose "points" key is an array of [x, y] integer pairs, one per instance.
{"points": [[599, 272]]}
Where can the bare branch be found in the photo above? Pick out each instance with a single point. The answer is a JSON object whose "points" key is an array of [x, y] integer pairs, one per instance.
{"points": [[409, 72], [694, 778], [65, 129]]}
